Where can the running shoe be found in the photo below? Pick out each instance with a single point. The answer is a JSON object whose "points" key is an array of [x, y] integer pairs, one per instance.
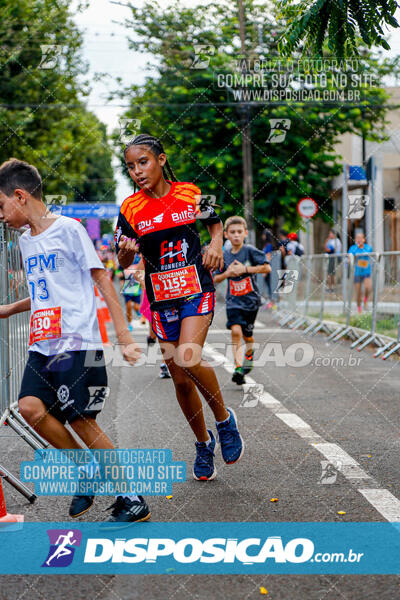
{"points": [[359, 309], [238, 376], [130, 327], [247, 362], [164, 372], [204, 469], [79, 505], [125, 510], [232, 445], [150, 340]]}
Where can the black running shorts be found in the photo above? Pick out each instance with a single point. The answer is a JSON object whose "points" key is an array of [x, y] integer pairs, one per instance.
{"points": [[244, 318], [71, 384]]}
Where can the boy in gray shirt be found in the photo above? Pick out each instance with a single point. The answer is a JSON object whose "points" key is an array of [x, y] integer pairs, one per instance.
{"points": [[241, 263]]}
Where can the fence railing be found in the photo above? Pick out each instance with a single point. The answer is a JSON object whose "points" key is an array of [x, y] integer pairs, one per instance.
{"points": [[14, 337], [318, 293]]}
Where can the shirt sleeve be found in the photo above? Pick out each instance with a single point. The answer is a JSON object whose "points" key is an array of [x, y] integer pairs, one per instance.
{"points": [[84, 251], [123, 228], [257, 257]]}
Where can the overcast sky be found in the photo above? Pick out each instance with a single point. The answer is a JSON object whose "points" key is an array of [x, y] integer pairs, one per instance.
{"points": [[106, 50]]}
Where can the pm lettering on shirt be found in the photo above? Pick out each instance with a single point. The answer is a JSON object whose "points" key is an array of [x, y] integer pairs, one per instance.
{"points": [[242, 287], [43, 262]]}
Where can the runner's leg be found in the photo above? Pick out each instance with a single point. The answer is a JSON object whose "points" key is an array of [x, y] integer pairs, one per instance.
{"points": [[129, 315], [236, 333], [51, 429], [186, 393], [89, 431], [191, 341], [367, 289], [249, 344], [358, 293]]}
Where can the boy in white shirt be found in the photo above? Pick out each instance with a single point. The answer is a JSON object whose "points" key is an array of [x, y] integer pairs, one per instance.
{"points": [[65, 378]]}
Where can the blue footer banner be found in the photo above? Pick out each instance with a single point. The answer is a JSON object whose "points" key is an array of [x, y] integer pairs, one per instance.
{"points": [[191, 548]]}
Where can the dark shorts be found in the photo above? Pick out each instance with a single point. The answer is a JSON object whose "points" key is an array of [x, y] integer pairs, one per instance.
{"points": [[331, 265], [244, 318], [361, 278], [134, 299], [166, 323], [71, 385]]}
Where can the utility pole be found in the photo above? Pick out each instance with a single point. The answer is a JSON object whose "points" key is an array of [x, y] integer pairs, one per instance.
{"points": [[246, 141]]}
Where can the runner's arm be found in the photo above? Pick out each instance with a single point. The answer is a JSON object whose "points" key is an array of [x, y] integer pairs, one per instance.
{"points": [[6, 310], [259, 262], [125, 242], [265, 268], [129, 347], [213, 257], [127, 251], [218, 277]]}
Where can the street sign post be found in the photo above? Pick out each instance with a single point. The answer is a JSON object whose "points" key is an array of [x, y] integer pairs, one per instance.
{"points": [[307, 208]]}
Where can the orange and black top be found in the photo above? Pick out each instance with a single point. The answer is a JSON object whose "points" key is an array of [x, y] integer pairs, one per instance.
{"points": [[169, 242]]}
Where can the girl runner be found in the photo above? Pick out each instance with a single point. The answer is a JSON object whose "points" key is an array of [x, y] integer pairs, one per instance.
{"points": [[159, 221]]}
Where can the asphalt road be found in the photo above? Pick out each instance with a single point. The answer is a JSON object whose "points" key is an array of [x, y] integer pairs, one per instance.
{"points": [[340, 406]]}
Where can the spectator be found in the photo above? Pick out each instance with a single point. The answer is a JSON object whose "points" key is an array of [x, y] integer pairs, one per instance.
{"points": [[332, 246], [293, 246], [282, 246], [363, 270]]}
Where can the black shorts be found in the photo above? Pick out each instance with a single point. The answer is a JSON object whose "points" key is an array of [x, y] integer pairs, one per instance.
{"points": [[244, 318], [71, 384]]}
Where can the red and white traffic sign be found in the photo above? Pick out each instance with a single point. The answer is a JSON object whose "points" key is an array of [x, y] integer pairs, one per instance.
{"points": [[307, 208]]}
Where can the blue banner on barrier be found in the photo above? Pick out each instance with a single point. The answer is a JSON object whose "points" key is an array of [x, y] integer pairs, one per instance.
{"points": [[83, 210], [190, 548]]}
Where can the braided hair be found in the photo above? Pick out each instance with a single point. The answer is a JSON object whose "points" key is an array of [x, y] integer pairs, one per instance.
{"points": [[156, 147]]}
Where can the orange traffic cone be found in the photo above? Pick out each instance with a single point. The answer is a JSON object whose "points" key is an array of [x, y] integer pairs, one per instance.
{"points": [[5, 517], [101, 317]]}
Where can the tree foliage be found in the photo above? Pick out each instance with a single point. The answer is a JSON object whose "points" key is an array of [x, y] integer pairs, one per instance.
{"points": [[43, 118], [200, 122], [341, 22]]}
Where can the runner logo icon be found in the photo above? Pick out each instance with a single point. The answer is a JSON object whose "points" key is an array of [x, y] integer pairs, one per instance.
{"points": [[62, 547], [171, 252]]}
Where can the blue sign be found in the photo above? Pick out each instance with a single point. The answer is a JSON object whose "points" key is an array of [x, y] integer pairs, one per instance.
{"points": [[191, 548], [357, 173], [83, 210]]}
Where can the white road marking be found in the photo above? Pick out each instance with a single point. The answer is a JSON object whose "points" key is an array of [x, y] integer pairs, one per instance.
{"points": [[384, 502], [380, 498]]}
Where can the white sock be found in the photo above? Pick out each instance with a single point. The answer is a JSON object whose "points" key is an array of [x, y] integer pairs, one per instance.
{"points": [[207, 441], [131, 497], [226, 421]]}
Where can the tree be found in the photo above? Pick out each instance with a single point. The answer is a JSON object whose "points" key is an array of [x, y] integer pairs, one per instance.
{"points": [[340, 22], [43, 118], [197, 111]]}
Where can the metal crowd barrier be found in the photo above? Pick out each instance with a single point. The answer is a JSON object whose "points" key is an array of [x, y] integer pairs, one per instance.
{"points": [[14, 336], [326, 282]]}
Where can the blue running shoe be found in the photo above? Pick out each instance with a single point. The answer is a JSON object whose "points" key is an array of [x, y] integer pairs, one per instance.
{"points": [[232, 445], [204, 469]]}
